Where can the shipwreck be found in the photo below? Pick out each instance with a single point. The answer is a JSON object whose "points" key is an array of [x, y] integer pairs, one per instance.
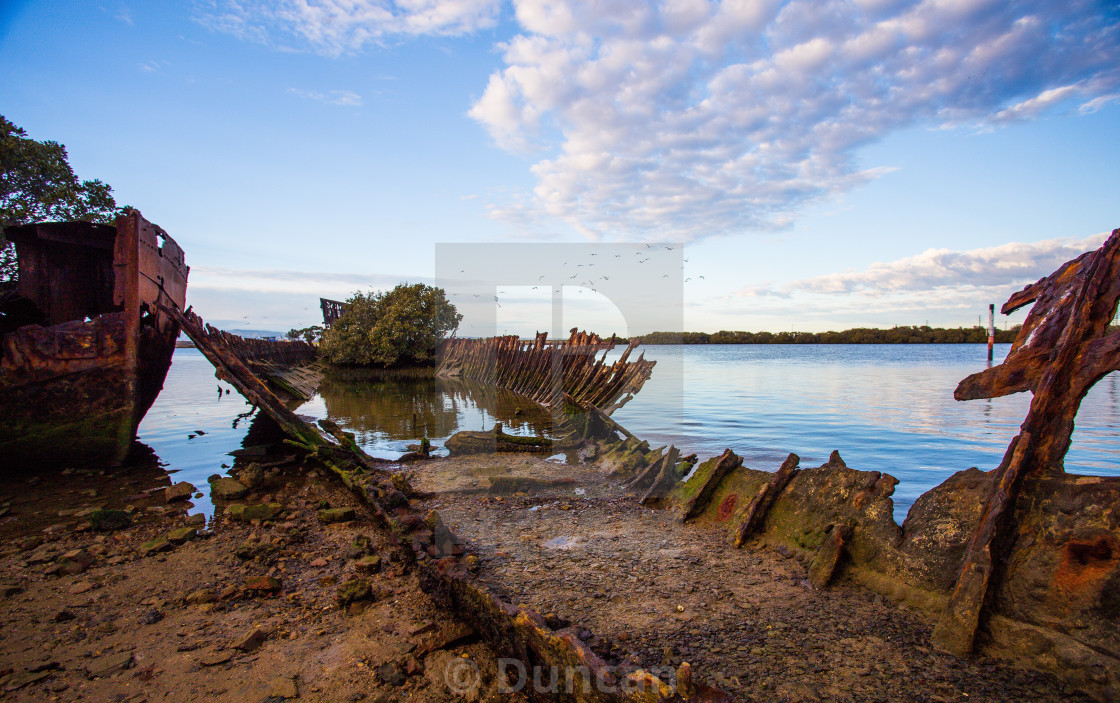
{"points": [[84, 345]]}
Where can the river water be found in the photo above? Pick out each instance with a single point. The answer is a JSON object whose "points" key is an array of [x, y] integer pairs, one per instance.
{"points": [[886, 408]]}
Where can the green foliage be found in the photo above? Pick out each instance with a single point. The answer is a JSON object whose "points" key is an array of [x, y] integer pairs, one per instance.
{"points": [[311, 334], [859, 335], [37, 184], [400, 327]]}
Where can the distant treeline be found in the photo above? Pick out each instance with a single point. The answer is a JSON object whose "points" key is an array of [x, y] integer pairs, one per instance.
{"points": [[859, 335]]}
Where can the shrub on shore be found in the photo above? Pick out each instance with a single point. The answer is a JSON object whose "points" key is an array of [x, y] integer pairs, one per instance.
{"points": [[391, 329]]}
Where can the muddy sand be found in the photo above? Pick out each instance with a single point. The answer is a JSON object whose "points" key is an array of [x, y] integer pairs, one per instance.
{"points": [[254, 606]]}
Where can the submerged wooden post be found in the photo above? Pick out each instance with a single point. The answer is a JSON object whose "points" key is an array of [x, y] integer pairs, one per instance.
{"points": [[1062, 349], [991, 330]]}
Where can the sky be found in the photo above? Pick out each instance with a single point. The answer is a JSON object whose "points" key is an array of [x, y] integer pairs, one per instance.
{"points": [[794, 165]]}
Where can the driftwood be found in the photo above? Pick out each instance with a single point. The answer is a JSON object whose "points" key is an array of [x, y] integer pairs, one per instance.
{"points": [[547, 371], [1062, 349], [756, 510]]}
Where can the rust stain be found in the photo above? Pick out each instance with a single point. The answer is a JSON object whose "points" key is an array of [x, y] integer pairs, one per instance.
{"points": [[727, 507], [1086, 563]]}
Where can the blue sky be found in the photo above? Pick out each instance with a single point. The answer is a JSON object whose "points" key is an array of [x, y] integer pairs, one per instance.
{"points": [[824, 164]]}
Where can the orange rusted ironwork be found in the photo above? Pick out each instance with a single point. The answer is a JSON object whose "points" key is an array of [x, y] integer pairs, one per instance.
{"points": [[85, 348], [1063, 348]]}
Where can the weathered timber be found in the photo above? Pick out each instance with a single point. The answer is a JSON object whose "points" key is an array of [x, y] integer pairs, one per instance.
{"points": [[547, 372], [827, 559], [755, 512], [663, 477], [1062, 349], [470, 442], [85, 348], [707, 481]]}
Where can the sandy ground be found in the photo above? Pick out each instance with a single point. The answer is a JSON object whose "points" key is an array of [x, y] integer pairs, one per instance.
{"points": [[202, 622], [197, 622], [654, 592]]}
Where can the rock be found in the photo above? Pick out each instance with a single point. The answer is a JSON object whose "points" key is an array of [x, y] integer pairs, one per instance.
{"points": [[8, 590], [319, 562], [252, 476], [110, 520], [74, 562], [215, 658], [253, 640], [225, 488], [256, 511], [283, 687], [368, 565], [81, 587], [197, 520], [181, 535], [159, 544], [361, 546], [151, 617], [179, 491], [333, 515], [23, 678], [108, 665], [203, 595], [390, 674], [352, 591], [262, 584]]}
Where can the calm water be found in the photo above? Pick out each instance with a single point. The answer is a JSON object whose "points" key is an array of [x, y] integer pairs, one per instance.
{"points": [[886, 408]]}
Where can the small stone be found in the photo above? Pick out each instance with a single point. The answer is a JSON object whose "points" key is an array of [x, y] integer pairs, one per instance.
{"points": [[251, 476], [203, 595], [74, 562], [368, 565], [63, 616], [159, 544], [108, 665], [319, 562], [390, 673], [151, 617], [225, 488], [215, 658], [354, 590], [333, 515], [252, 640], [110, 520], [181, 535], [196, 520], [262, 584], [179, 491], [8, 590], [81, 587]]}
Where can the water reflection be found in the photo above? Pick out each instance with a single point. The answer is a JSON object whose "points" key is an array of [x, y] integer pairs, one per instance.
{"points": [[388, 415]]}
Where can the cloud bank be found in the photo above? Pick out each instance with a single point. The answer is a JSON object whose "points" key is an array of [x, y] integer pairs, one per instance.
{"points": [[937, 279], [689, 118], [681, 119]]}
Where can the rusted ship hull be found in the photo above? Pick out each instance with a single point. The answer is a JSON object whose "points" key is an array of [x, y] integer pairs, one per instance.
{"points": [[85, 347]]}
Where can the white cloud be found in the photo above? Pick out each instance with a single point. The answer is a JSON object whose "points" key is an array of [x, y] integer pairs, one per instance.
{"points": [[327, 285], [940, 277], [335, 27], [692, 118], [342, 98]]}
